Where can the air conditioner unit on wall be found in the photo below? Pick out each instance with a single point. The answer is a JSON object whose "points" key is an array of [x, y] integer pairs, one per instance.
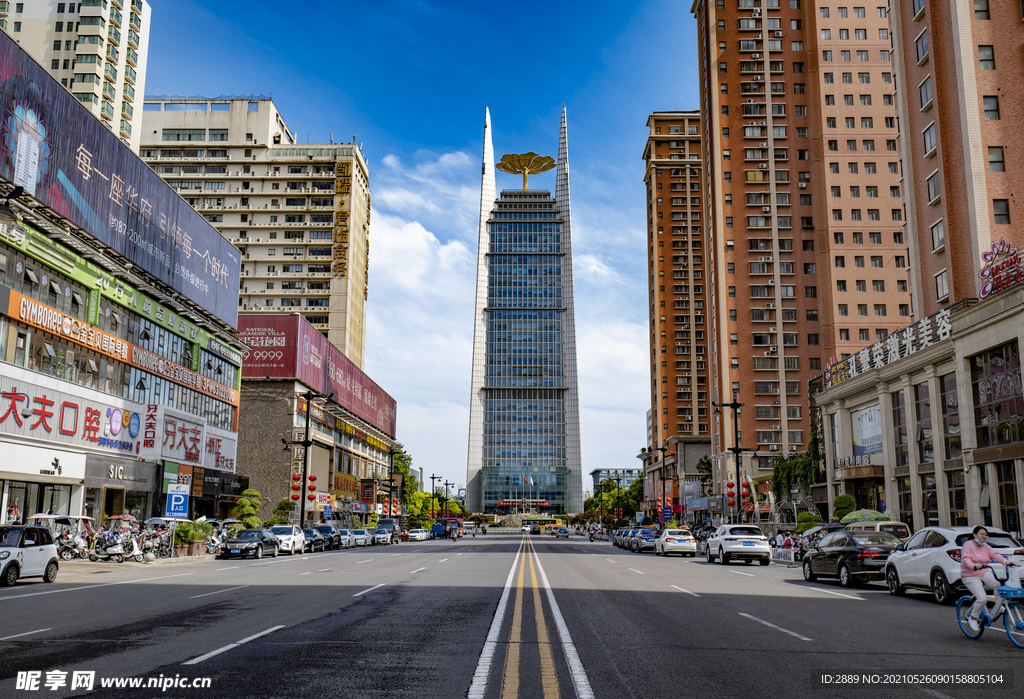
{"points": [[769, 305], [775, 447], [802, 185], [778, 35]]}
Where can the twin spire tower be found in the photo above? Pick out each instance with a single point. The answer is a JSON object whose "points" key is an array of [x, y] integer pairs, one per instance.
{"points": [[524, 425]]}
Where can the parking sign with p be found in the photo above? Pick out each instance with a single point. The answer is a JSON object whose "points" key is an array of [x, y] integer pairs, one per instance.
{"points": [[177, 501]]}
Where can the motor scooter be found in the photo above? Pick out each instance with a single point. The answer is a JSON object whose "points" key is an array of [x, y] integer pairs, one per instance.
{"points": [[132, 549], [106, 546], [73, 546]]}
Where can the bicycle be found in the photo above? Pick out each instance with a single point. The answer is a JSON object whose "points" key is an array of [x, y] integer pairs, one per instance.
{"points": [[1006, 605]]}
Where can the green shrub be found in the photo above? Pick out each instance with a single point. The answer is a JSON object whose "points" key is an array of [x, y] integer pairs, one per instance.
{"points": [[842, 506]]}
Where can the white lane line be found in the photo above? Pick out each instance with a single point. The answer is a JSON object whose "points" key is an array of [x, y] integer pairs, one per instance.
{"points": [[572, 658], [369, 589], [442, 560], [637, 571], [306, 573], [231, 568], [219, 591], [458, 554], [394, 554], [19, 635], [324, 570], [609, 560], [837, 594], [89, 587], [751, 575], [229, 646], [368, 560], [416, 571], [778, 628], [483, 666], [686, 591]]}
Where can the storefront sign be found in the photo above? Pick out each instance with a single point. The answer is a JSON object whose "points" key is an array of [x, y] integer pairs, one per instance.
{"points": [[101, 471], [853, 461], [900, 344], [1002, 269], [44, 464], [73, 164], [867, 430]]}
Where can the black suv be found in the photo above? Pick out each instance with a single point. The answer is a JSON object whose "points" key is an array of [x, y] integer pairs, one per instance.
{"points": [[331, 534]]}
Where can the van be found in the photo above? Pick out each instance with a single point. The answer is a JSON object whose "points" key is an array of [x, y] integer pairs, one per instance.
{"points": [[897, 529]]}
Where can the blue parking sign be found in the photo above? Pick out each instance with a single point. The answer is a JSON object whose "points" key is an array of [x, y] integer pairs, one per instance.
{"points": [[177, 502], [327, 511]]}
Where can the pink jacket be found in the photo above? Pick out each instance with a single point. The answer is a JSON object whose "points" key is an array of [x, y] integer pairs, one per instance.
{"points": [[972, 553]]}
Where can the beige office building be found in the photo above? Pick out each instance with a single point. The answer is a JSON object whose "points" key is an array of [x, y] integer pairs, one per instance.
{"points": [[299, 214], [97, 49]]}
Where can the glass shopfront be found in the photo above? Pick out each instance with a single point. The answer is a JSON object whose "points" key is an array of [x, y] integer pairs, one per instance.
{"points": [[25, 499], [998, 396], [115, 486]]}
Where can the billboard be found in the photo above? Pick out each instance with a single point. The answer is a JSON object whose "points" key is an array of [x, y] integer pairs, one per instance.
{"points": [[288, 347], [867, 431], [65, 158]]}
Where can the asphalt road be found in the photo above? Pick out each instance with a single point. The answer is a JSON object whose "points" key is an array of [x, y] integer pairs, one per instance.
{"points": [[499, 616]]}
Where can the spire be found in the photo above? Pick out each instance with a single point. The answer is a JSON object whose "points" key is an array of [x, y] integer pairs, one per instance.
{"points": [[562, 173]]}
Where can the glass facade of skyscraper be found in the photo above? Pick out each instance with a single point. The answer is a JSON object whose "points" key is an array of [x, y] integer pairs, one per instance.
{"points": [[524, 435]]}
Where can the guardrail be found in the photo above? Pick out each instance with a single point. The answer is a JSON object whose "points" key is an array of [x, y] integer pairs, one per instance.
{"points": [[787, 556]]}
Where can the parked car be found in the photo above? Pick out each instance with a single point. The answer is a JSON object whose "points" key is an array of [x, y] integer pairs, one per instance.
{"points": [[381, 536], [251, 542], [850, 556], [930, 560], [620, 537], [27, 552], [361, 537], [562, 532], [675, 541], [743, 542], [393, 529], [898, 529], [418, 535], [331, 534], [347, 538], [315, 540], [643, 540], [526, 527], [291, 537]]}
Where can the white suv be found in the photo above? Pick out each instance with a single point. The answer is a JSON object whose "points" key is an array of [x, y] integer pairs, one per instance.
{"points": [[931, 561], [293, 539], [743, 542], [27, 552]]}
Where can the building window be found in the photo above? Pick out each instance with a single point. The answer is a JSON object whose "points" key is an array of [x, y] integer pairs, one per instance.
{"points": [[981, 9], [938, 236], [929, 139], [995, 159], [992, 408], [933, 187], [991, 108], [950, 416], [844, 334], [843, 309], [922, 46], [1001, 209], [941, 286], [878, 285], [986, 58]]}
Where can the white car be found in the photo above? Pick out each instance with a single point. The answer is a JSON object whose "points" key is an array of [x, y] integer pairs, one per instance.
{"points": [[930, 560], [418, 535], [361, 537], [293, 539], [679, 541], [347, 538], [526, 527], [744, 542]]}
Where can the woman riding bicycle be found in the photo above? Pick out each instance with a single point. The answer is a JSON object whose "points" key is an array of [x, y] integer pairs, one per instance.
{"points": [[975, 555]]}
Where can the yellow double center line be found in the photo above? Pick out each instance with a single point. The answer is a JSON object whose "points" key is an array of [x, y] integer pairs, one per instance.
{"points": [[513, 654]]}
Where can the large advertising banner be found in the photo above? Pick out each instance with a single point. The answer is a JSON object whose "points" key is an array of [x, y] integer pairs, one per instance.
{"points": [[288, 347], [867, 431], [65, 158]]}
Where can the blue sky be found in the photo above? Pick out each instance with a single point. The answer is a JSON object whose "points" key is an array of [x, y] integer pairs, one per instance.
{"points": [[410, 80]]}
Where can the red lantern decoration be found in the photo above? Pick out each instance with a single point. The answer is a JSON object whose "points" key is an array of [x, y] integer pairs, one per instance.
{"points": [[296, 477], [295, 496], [296, 487], [731, 493], [312, 478], [311, 488], [731, 503], [730, 484], [311, 497]]}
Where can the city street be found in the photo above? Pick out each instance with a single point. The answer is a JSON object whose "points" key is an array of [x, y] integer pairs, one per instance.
{"points": [[502, 615]]}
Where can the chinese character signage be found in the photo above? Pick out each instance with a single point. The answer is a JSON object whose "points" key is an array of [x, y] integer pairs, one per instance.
{"points": [[67, 159], [1002, 269], [867, 430], [289, 347]]}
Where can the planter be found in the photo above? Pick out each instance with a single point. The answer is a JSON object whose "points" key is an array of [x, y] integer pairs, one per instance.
{"points": [[193, 549], [181, 551]]}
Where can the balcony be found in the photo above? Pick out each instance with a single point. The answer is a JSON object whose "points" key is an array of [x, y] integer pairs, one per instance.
{"points": [[115, 17], [133, 39], [129, 92], [107, 111], [126, 129], [110, 73], [114, 35], [117, 4], [5, 8], [137, 5], [132, 57], [127, 110], [113, 54], [109, 92], [130, 74], [136, 22], [92, 9]]}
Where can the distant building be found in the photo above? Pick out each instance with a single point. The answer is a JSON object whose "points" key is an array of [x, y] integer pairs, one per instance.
{"points": [[524, 438], [96, 49], [299, 214], [623, 477]]}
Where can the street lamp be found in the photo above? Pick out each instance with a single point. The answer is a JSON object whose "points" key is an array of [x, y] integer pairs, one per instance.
{"points": [[736, 449], [618, 493], [663, 448], [305, 443], [433, 491], [446, 498]]}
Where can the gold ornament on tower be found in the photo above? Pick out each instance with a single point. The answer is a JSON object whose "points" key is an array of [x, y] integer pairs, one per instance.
{"points": [[525, 163]]}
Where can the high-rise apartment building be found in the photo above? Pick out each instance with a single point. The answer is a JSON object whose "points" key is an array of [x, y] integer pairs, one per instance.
{"points": [[97, 49], [807, 252], [299, 214], [524, 436], [678, 293], [959, 138]]}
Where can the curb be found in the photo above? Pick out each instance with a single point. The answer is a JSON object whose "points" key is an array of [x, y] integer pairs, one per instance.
{"points": [[181, 559]]}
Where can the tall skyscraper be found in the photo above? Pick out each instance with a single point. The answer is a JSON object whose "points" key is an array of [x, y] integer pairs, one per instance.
{"points": [[804, 207], [678, 290], [524, 438], [299, 214], [97, 49], [955, 64]]}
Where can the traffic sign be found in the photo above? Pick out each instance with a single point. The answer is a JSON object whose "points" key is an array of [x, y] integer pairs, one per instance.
{"points": [[177, 501], [327, 511]]}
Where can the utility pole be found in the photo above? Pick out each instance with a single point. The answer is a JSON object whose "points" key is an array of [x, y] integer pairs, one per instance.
{"points": [[446, 498], [305, 443], [433, 492], [736, 449]]}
